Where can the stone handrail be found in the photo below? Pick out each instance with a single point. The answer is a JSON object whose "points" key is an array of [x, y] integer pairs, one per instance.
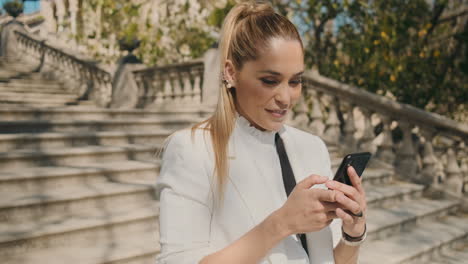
{"points": [[424, 147], [385, 105], [80, 76], [172, 85]]}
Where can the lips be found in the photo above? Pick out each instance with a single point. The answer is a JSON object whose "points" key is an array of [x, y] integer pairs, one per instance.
{"points": [[277, 113]]}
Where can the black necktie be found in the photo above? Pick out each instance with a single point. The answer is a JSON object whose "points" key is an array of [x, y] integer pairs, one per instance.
{"points": [[288, 177]]}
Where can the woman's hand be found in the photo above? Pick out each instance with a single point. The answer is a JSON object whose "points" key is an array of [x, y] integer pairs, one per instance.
{"points": [[308, 210], [352, 199]]}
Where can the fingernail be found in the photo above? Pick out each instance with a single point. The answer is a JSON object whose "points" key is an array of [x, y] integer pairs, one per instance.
{"points": [[331, 184]]}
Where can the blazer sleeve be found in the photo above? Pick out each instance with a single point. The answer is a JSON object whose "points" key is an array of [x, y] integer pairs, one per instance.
{"points": [[185, 212]]}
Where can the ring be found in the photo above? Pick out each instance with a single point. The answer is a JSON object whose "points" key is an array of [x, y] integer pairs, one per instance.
{"points": [[356, 215]]}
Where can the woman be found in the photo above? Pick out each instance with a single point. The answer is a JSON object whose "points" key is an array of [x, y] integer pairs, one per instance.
{"points": [[225, 185]]}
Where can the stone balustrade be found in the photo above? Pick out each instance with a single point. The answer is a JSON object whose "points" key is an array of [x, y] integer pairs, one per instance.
{"points": [[175, 85], [427, 147], [82, 77]]}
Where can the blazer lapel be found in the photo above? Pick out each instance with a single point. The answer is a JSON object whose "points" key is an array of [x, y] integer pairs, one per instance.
{"points": [[257, 193]]}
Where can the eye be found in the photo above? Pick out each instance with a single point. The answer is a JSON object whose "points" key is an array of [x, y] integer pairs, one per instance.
{"points": [[295, 82], [268, 81]]}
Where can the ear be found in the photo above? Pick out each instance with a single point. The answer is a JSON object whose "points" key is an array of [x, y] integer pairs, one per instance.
{"points": [[230, 72]]}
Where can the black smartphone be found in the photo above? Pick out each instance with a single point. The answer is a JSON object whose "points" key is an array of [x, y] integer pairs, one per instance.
{"points": [[357, 160]]}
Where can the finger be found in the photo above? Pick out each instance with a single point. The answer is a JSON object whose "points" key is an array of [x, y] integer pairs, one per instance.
{"points": [[348, 204], [324, 195], [347, 219], [349, 191], [331, 216], [330, 206], [311, 181], [355, 179]]}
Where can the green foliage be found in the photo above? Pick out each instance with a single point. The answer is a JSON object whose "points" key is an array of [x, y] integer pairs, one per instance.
{"points": [[13, 8], [403, 48], [217, 16]]}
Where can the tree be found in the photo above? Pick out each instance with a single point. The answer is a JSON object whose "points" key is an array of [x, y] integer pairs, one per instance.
{"points": [[413, 50]]}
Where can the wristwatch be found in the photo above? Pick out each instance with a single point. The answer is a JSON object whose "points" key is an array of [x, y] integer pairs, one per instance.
{"points": [[353, 241]]}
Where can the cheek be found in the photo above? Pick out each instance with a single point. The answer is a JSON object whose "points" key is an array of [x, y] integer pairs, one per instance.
{"points": [[295, 95], [252, 95]]}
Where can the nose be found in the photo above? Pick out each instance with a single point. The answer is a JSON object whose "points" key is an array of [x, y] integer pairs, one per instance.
{"points": [[283, 96]]}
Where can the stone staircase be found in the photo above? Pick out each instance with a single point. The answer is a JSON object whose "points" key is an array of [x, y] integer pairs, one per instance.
{"points": [[407, 224], [76, 185], [21, 85]]}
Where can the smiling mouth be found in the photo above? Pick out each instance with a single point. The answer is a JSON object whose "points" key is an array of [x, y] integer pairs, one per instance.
{"points": [[277, 113]]}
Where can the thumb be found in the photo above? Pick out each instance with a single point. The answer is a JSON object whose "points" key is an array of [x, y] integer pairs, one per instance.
{"points": [[311, 181]]}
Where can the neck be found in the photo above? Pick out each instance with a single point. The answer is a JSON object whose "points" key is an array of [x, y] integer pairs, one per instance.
{"points": [[252, 123]]}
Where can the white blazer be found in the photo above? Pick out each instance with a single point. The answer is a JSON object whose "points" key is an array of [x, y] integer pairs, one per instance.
{"points": [[192, 226]]}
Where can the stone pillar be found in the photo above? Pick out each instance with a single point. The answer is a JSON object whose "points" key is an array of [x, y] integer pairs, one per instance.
{"points": [[454, 181], [211, 77], [350, 144], [406, 165], [47, 12], [332, 133], [61, 11], [316, 126], [429, 173], [73, 9], [365, 142], [385, 150]]}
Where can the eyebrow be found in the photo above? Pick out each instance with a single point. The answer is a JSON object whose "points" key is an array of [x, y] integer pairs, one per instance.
{"points": [[277, 73]]}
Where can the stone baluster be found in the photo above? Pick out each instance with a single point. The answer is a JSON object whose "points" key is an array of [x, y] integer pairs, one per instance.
{"points": [[332, 132], [406, 165], [168, 95], [385, 149], [157, 86], [198, 72], [365, 142], [429, 174], [316, 126], [47, 69], [187, 92], [301, 119], [177, 87], [462, 157], [454, 181], [349, 142]]}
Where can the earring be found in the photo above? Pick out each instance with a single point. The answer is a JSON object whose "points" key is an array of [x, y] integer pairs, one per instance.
{"points": [[227, 84]]}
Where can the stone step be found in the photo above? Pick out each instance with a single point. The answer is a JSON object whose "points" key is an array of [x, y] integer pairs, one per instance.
{"points": [[104, 238], [387, 195], [32, 90], [136, 248], [456, 255], [14, 113], [417, 244], [9, 142], [49, 206], [76, 156], [14, 96], [40, 104], [41, 126], [36, 101], [32, 78], [37, 179], [30, 85], [403, 216]]}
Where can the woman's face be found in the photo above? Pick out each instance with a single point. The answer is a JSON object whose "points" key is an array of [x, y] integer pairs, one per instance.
{"points": [[267, 88]]}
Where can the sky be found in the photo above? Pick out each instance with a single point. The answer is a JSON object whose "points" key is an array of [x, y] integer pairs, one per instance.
{"points": [[30, 6]]}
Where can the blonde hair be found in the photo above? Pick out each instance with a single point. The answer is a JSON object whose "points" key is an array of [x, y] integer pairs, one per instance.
{"points": [[247, 29]]}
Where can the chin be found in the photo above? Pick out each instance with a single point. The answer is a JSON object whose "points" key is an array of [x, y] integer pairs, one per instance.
{"points": [[273, 125]]}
